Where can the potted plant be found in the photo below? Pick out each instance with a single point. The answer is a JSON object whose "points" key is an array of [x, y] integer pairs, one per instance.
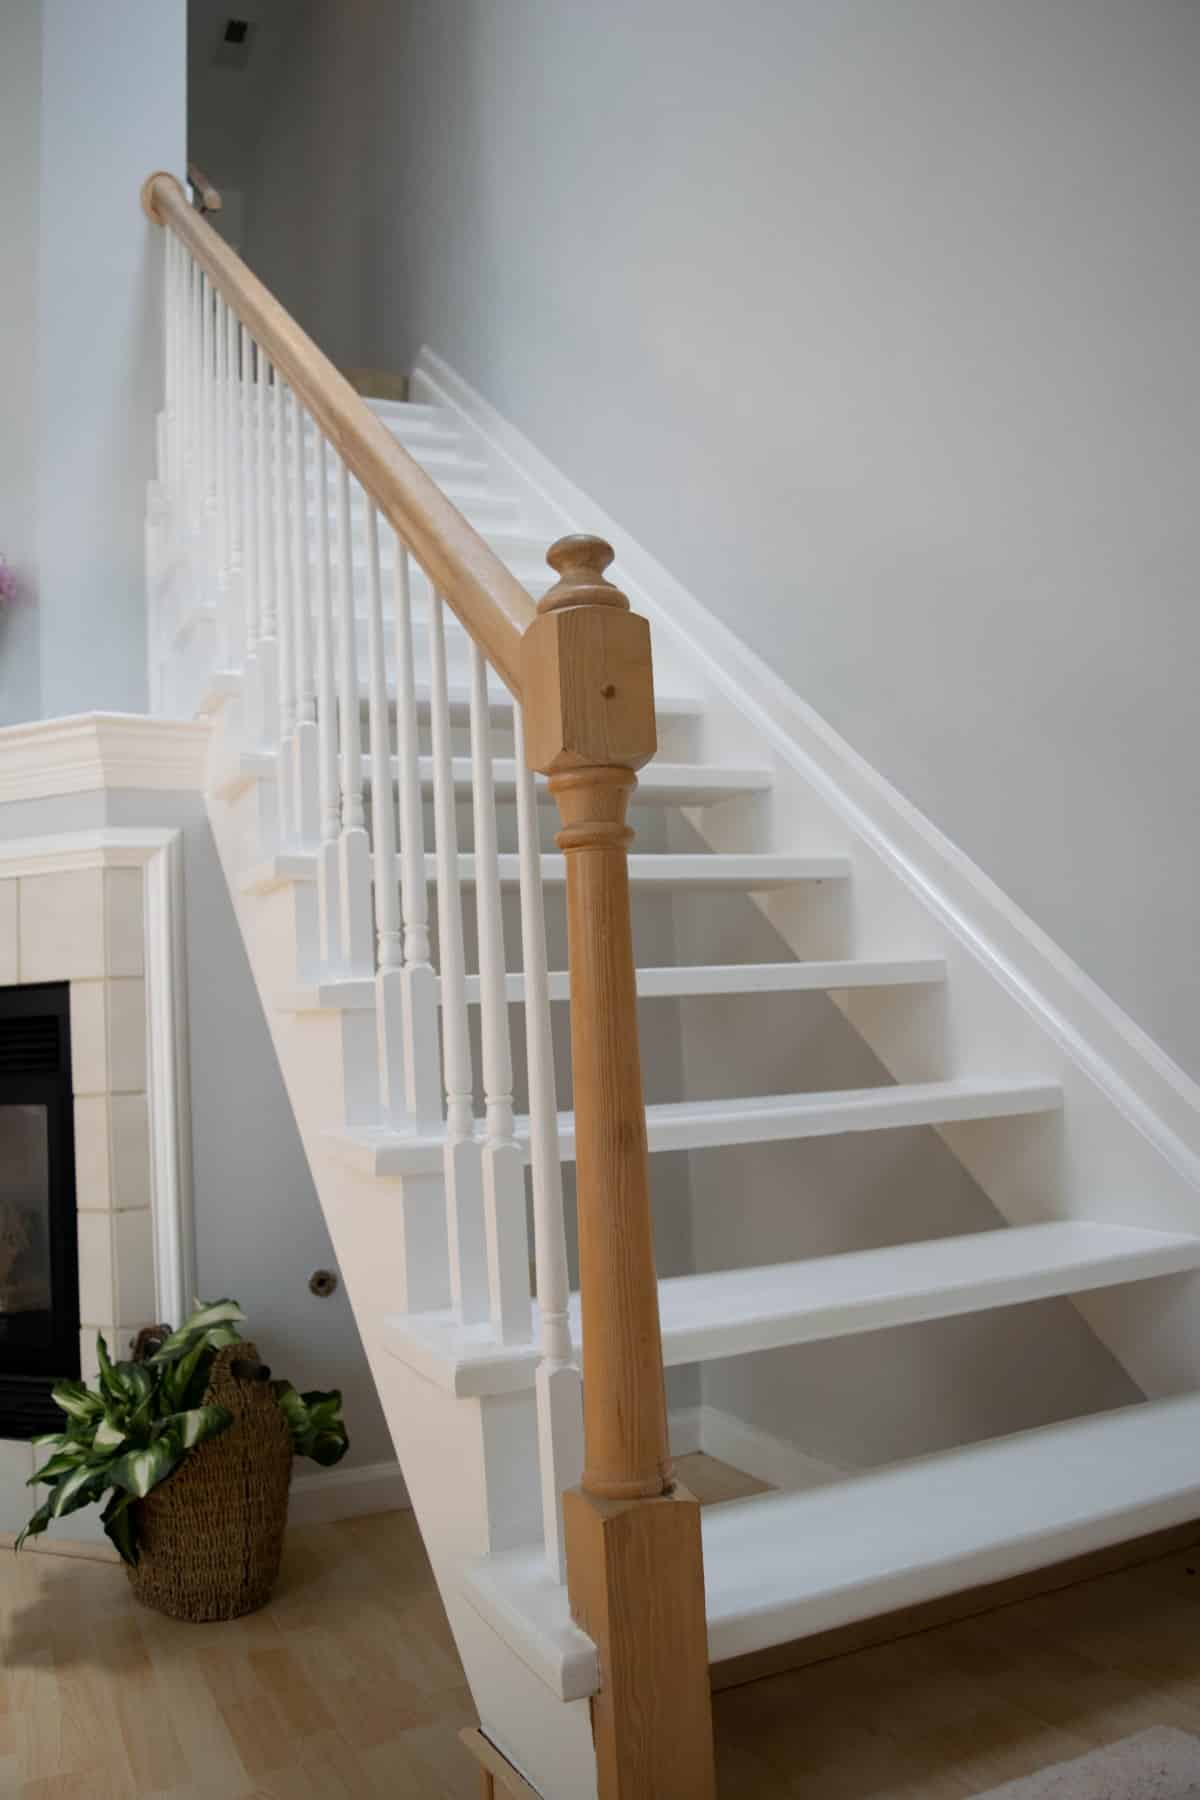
{"points": [[193, 1447]]}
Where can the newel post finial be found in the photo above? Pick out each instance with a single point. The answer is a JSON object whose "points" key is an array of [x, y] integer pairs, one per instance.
{"points": [[579, 561]]}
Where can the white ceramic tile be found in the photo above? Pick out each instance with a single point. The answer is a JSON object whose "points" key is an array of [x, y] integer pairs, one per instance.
{"points": [[135, 1267], [93, 1185], [9, 964], [61, 926], [89, 1037], [89, 1365], [96, 1267], [16, 1499], [129, 1151], [126, 1035], [124, 941]]}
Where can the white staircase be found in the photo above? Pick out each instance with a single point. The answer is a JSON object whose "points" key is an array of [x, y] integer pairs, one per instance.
{"points": [[1101, 1191]]}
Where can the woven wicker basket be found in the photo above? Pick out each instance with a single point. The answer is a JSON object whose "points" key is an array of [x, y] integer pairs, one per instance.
{"points": [[211, 1536]]}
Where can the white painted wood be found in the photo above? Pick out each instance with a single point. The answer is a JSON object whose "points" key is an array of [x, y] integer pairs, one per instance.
{"points": [[305, 773], [503, 1163], [559, 1389], [1014, 998], [737, 1311], [687, 981], [232, 493], [668, 784], [388, 950], [168, 1082], [267, 700], [893, 1538], [734, 1312], [92, 751], [327, 734], [247, 526], [419, 999], [354, 881], [652, 872], [464, 1172], [763, 1119], [286, 618]]}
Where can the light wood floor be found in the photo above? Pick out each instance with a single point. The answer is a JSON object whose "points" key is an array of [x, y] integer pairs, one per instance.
{"points": [[347, 1686]]}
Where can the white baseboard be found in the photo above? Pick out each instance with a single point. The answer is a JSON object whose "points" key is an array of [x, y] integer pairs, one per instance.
{"points": [[323, 1495], [731, 1440]]}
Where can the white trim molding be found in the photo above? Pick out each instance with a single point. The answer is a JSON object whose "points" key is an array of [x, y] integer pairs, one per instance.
{"points": [[92, 751], [319, 1496]]}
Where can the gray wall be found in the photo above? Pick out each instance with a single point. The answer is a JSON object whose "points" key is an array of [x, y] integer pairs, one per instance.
{"points": [[20, 145], [875, 323], [90, 108]]}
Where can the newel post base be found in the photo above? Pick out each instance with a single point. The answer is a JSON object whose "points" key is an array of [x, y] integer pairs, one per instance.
{"points": [[636, 1585]]}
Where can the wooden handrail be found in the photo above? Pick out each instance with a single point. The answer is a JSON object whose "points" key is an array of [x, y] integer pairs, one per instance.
{"points": [[210, 198], [489, 601]]}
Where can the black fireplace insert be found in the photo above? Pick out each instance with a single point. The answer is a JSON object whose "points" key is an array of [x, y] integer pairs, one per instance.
{"points": [[39, 1273]]}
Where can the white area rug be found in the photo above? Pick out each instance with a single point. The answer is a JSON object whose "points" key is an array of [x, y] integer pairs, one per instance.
{"points": [[1155, 1765]]}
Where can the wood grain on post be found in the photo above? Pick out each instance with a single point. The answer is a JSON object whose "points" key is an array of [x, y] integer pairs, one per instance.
{"points": [[634, 1560]]}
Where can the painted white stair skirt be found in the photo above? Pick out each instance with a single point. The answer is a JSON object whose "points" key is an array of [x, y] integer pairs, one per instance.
{"points": [[280, 605]]}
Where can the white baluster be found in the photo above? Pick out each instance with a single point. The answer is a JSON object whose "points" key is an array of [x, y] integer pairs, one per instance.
{"points": [[235, 485], [464, 1173], [388, 957], [559, 1388], [209, 401], [305, 778], [327, 728], [224, 645], [249, 510], [169, 466], [354, 854], [195, 402], [418, 1022], [266, 722], [285, 591], [503, 1163]]}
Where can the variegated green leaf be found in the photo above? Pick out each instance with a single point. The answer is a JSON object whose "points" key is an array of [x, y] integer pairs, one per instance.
{"points": [[140, 1470], [218, 1313], [47, 1437], [109, 1436], [118, 1523], [62, 1464], [75, 1400], [36, 1525], [77, 1489], [194, 1426]]}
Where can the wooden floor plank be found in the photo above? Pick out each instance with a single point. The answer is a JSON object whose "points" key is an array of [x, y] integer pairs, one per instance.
{"points": [[347, 1686]]}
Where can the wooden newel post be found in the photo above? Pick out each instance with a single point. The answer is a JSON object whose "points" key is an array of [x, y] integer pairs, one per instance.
{"points": [[634, 1562]]}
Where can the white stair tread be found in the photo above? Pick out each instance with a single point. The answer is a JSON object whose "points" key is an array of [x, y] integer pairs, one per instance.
{"points": [[734, 1312], [787, 1565], [653, 871], [767, 1118], [682, 981], [678, 784]]}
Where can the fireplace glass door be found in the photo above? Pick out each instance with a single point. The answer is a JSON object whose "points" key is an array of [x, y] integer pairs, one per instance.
{"points": [[39, 1290]]}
